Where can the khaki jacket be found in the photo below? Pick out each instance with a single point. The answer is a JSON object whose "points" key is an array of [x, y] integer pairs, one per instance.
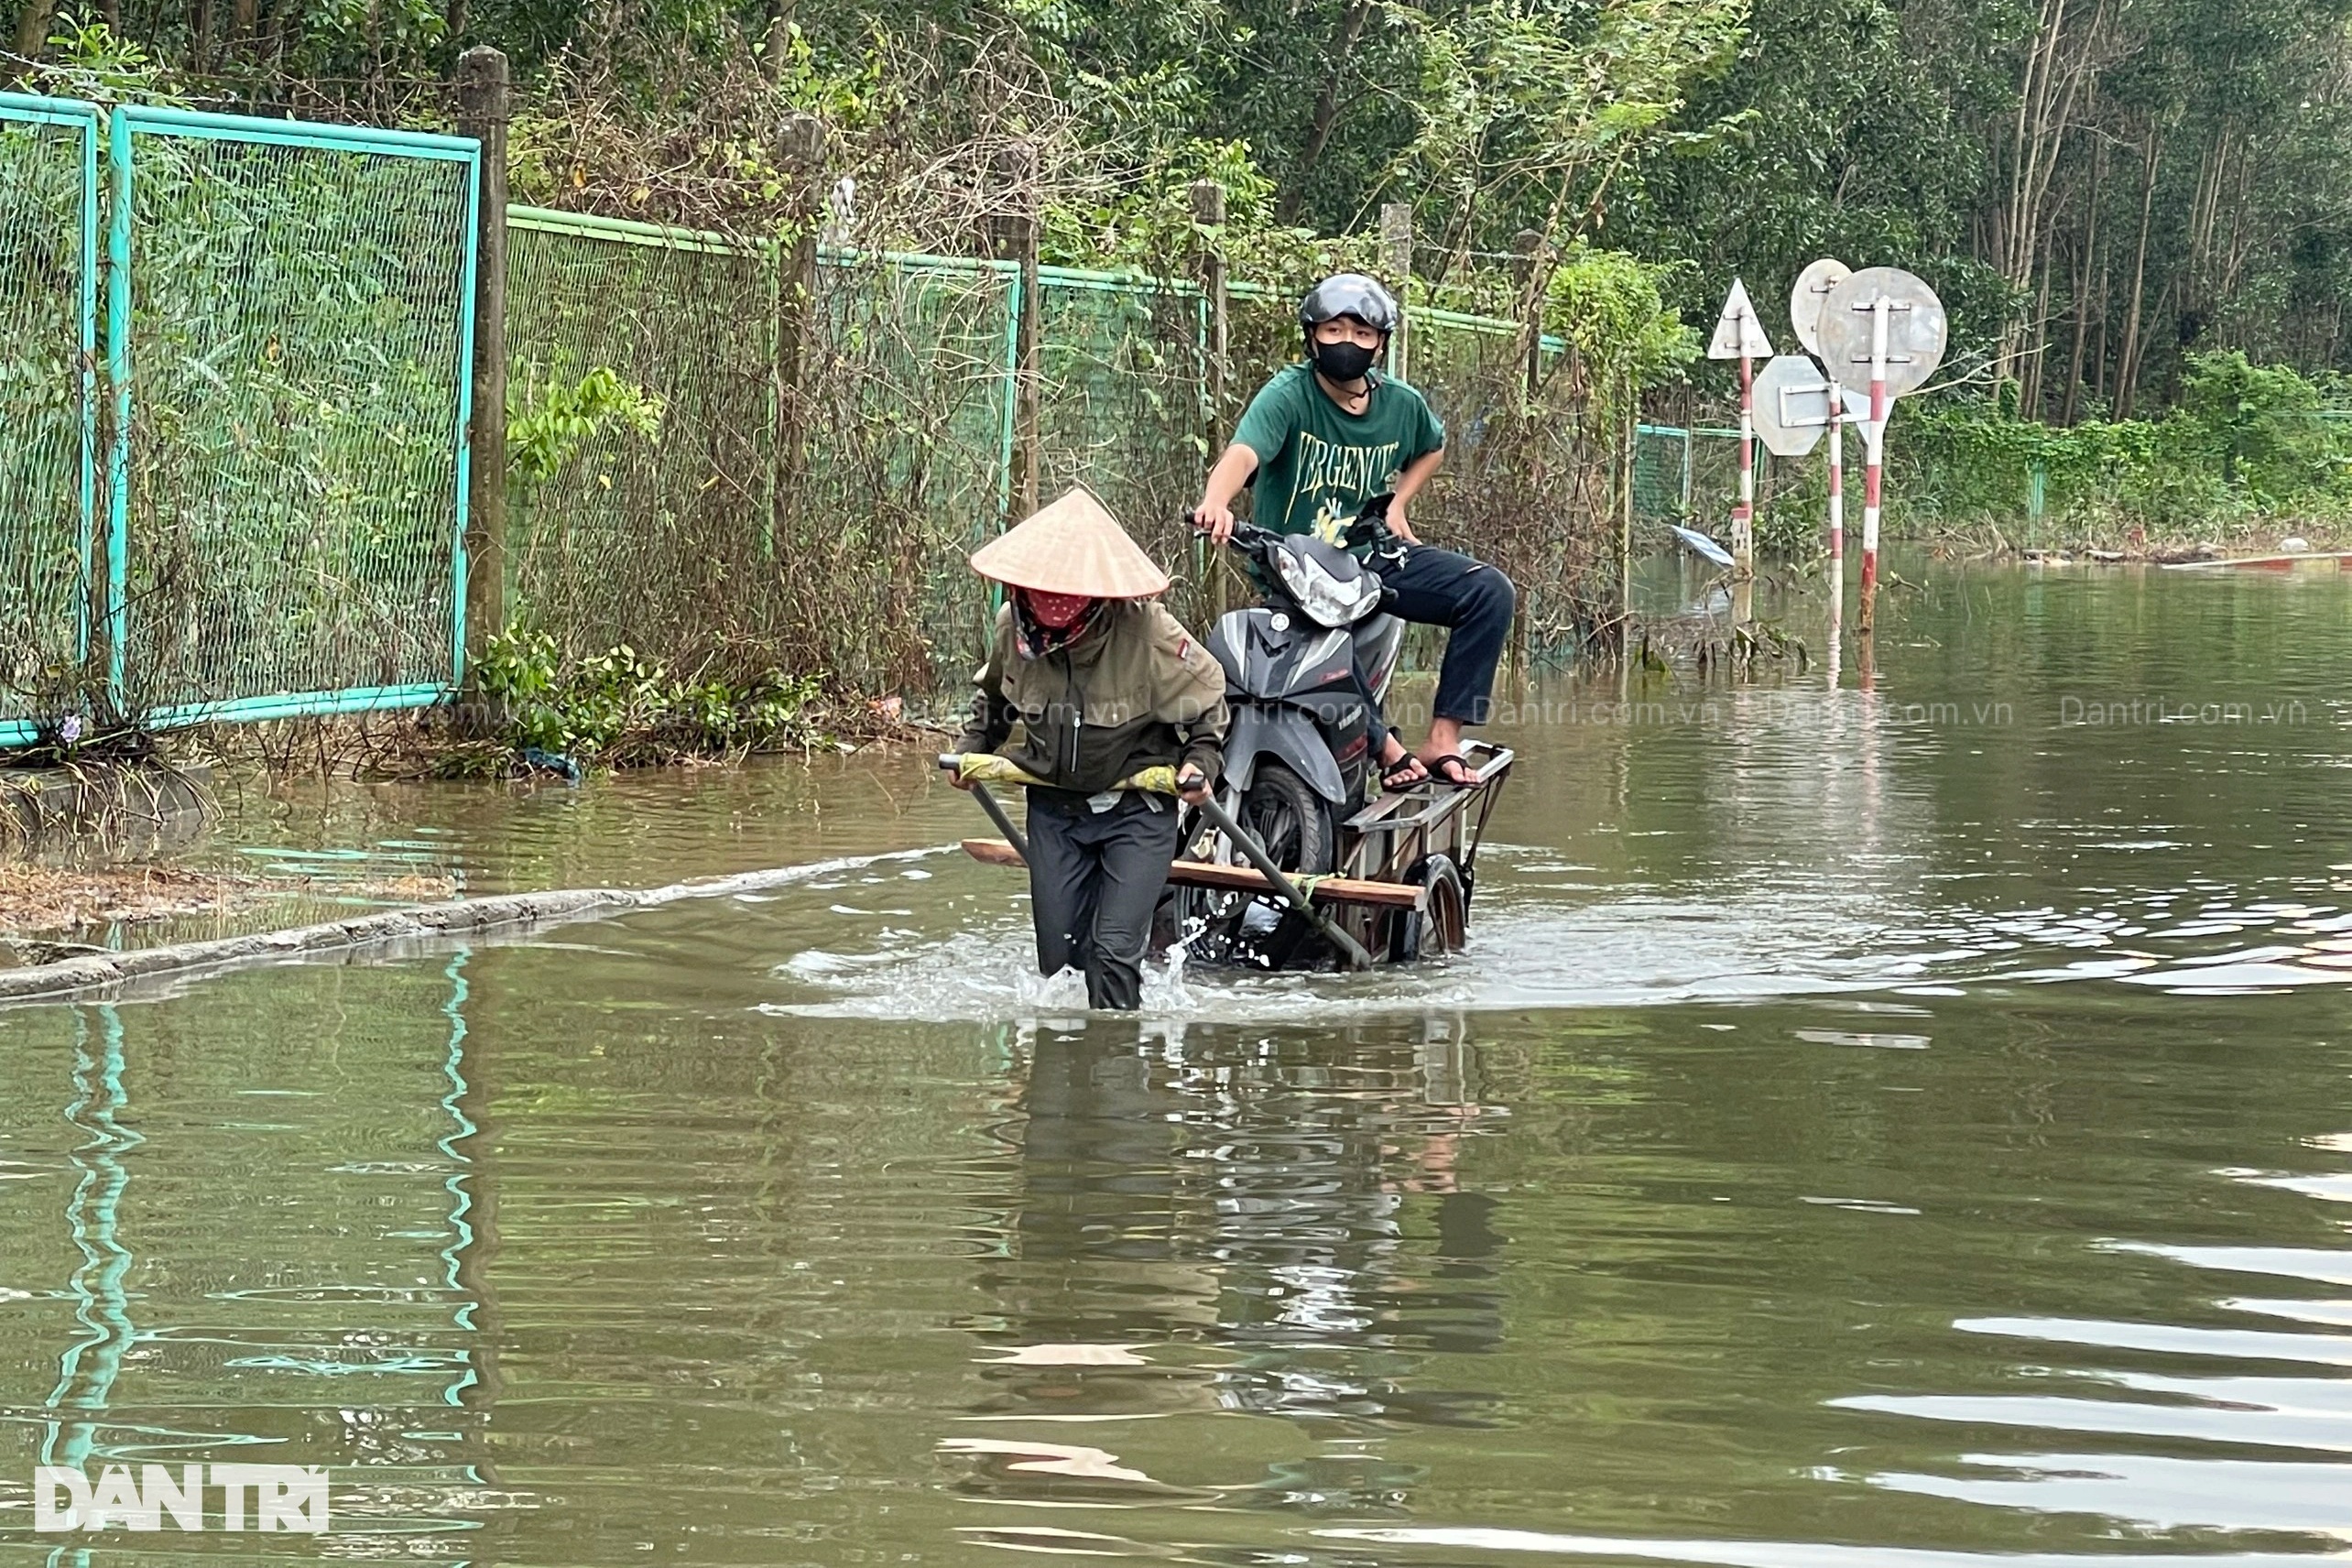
{"points": [[1137, 690]]}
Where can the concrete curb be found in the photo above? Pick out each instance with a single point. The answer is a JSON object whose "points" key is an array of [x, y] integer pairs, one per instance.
{"points": [[89, 971], [511, 912]]}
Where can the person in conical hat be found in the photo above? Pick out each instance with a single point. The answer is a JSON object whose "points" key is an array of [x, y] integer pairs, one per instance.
{"points": [[1104, 683]]}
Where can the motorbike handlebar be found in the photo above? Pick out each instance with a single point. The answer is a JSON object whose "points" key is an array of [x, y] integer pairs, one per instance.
{"points": [[1370, 526], [1245, 532]]}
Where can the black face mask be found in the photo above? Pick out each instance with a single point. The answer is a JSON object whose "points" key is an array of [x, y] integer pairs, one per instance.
{"points": [[1344, 361]]}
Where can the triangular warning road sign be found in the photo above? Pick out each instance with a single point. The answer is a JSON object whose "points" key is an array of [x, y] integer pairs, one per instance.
{"points": [[1738, 332]]}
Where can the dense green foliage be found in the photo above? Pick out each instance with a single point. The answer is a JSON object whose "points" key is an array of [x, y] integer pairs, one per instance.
{"points": [[2113, 197], [2099, 189]]}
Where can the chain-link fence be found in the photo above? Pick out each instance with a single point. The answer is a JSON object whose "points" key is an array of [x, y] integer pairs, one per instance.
{"points": [[731, 458], [646, 533], [295, 324], [906, 443], [779, 476], [1123, 409], [49, 292], [1715, 476], [1661, 472]]}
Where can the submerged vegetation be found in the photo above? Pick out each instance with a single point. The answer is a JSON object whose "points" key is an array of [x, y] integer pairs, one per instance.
{"points": [[621, 710]]}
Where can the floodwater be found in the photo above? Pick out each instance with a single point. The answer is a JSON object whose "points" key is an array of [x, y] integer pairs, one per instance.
{"points": [[1902, 1129]]}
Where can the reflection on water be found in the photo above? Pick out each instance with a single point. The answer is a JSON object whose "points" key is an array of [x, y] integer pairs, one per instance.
{"points": [[1851, 1138], [1250, 1199]]}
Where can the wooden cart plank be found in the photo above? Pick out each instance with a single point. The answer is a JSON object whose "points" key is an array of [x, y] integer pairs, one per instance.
{"points": [[1237, 878]]}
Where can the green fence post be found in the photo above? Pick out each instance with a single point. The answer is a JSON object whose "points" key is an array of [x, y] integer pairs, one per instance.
{"points": [[1209, 217], [118, 376], [1397, 258], [480, 590], [796, 293], [1017, 238]]}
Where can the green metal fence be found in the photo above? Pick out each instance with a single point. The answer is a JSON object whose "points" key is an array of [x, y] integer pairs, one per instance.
{"points": [[257, 510], [49, 436], [290, 327], [631, 531], [906, 391], [1715, 470], [820, 467], [1122, 407], [1661, 472]]}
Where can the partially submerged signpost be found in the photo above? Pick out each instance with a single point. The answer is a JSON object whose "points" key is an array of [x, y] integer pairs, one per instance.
{"points": [[1879, 328], [1805, 302], [1885, 324], [1739, 335], [1806, 299]]}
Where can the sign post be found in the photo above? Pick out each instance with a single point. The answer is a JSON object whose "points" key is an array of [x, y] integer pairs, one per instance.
{"points": [[1888, 324], [1874, 459], [1806, 300], [1739, 335], [1836, 523]]}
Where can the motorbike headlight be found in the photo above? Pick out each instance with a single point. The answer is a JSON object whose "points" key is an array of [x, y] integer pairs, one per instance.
{"points": [[1324, 599]]}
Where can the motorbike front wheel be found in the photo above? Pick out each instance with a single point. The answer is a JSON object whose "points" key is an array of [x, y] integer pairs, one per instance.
{"points": [[1298, 829], [1291, 820]]}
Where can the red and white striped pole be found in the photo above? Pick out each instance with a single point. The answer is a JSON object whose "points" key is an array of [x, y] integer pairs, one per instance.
{"points": [[1742, 517], [1836, 522], [1837, 485], [1874, 442]]}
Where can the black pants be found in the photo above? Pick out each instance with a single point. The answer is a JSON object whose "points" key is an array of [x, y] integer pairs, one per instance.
{"points": [[1474, 601], [1095, 878]]}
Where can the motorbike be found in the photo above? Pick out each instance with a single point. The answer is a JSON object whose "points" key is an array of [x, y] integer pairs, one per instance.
{"points": [[1306, 672]]}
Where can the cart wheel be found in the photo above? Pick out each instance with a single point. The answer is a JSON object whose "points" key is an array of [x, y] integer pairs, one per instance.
{"points": [[1440, 928]]}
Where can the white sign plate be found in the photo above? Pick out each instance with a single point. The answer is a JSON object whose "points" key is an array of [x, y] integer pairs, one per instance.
{"points": [[1916, 331], [1807, 298], [1737, 332], [1792, 405]]}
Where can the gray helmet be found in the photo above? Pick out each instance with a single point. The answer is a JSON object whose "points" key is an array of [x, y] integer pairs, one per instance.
{"points": [[1348, 294]]}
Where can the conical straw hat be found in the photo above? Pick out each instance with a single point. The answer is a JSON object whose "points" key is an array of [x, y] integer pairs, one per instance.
{"points": [[1073, 546]]}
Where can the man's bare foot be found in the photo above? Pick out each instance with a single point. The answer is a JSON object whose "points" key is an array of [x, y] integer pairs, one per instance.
{"points": [[1403, 774]]}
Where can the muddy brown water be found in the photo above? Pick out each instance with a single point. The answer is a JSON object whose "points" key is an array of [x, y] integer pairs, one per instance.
{"points": [[1908, 1128]]}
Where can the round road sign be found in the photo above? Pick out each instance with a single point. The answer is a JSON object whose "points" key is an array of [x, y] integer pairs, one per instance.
{"points": [[1805, 299], [1915, 329]]}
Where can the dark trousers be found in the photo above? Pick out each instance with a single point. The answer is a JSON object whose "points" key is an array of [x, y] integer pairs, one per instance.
{"points": [[1474, 601], [1095, 878]]}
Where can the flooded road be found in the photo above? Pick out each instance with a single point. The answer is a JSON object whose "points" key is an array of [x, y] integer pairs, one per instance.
{"points": [[1900, 1128]]}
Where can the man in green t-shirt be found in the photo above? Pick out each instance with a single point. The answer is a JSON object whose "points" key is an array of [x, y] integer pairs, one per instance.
{"points": [[1324, 437]]}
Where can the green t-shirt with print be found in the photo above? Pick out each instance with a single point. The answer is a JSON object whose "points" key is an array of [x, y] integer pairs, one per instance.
{"points": [[1318, 465]]}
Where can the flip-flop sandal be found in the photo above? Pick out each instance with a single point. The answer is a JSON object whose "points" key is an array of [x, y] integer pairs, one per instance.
{"points": [[1437, 774], [1403, 774]]}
